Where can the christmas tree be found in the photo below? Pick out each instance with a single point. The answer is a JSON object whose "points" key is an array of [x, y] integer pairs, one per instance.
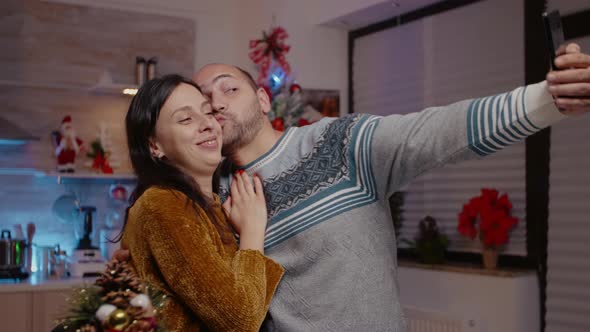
{"points": [[288, 107]]}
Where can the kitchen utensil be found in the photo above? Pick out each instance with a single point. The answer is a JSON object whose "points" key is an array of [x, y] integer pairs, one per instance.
{"points": [[140, 67], [66, 208], [13, 252], [151, 68], [18, 231], [87, 260], [45, 254], [30, 233]]}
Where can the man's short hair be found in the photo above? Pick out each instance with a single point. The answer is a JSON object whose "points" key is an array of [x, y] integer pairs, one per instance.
{"points": [[249, 78]]}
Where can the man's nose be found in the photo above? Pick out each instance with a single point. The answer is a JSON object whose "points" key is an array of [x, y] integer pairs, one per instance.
{"points": [[218, 107]]}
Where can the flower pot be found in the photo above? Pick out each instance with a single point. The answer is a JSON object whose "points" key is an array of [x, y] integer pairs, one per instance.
{"points": [[490, 258]]}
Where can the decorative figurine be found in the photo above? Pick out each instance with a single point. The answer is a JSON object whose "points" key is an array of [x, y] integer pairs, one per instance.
{"points": [[67, 146]]}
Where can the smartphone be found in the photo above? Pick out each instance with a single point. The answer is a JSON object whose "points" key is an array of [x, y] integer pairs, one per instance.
{"points": [[553, 34]]}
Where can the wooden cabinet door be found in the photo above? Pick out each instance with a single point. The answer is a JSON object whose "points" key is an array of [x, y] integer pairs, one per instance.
{"points": [[47, 307], [15, 312]]}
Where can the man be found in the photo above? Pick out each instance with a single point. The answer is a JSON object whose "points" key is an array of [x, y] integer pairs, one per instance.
{"points": [[327, 185]]}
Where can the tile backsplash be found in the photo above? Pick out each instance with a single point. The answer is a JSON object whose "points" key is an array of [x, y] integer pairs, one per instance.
{"points": [[25, 199]]}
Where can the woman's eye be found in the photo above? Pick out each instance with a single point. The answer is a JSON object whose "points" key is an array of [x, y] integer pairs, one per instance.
{"points": [[185, 120], [231, 90]]}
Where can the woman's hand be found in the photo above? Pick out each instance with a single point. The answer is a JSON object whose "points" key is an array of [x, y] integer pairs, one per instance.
{"points": [[246, 208]]}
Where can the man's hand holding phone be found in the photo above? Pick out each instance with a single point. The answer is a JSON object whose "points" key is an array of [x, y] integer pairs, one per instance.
{"points": [[570, 83], [569, 78]]}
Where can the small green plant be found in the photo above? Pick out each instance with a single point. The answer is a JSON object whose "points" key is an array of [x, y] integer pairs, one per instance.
{"points": [[430, 244]]}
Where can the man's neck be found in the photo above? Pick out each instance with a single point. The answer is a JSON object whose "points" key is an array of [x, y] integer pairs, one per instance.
{"points": [[266, 138]]}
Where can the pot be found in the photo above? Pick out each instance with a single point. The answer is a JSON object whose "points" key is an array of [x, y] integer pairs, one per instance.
{"points": [[13, 252]]}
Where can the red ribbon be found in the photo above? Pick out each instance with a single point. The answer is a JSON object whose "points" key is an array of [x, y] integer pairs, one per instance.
{"points": [[270, 47]]}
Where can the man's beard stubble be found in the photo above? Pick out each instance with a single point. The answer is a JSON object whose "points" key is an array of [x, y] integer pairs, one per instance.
{"points": [[241, 134]]}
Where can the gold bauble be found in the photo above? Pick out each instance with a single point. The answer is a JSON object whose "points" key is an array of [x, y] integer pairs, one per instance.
{"points": [[118, 320]]}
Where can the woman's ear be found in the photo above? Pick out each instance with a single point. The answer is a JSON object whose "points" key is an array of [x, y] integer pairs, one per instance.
{"points": [[155, 149], [263, 99]]}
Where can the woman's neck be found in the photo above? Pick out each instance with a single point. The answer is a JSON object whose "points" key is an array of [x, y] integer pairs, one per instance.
{"points": [[205, 185]]}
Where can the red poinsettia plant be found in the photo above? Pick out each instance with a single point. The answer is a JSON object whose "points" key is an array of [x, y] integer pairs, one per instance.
{"points": [[493, 215]]}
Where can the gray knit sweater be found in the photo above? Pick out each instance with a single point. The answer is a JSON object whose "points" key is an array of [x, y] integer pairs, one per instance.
{"points": [[327, 186]]}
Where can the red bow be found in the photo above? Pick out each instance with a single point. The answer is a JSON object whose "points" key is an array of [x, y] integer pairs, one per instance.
{"points": [[268, 48], [102, 164]]}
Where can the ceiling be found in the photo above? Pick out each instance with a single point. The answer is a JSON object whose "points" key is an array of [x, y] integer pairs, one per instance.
{"points": [[377, 13]]}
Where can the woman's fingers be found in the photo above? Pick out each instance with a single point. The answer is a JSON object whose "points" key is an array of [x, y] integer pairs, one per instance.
{"points": [[258, 186], [247, 183], [227, 205], [234, 187], [240, 184]]}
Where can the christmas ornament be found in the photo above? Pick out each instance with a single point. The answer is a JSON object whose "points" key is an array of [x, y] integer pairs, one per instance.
{"points": [[118, 192], [118, 320], [143, 301], [67, 145], [271, 47], [119, 284], [276, 80], [117, 303], [104, 312]]}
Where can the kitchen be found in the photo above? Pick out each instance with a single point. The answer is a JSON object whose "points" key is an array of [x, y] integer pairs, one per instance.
{"points": [[67, 65], [73, 58]]}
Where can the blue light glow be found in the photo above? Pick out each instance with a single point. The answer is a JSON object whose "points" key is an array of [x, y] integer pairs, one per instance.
{"points": [[12, 142], [277, 79]]}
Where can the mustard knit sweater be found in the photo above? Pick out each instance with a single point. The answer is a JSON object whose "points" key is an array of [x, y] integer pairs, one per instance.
{"points": [[212, 285]]}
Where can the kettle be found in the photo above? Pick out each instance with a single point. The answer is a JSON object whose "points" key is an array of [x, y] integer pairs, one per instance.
{"points": [[13, 252]]}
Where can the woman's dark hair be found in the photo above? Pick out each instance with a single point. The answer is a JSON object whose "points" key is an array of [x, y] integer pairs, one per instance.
{"points": [[140, 124]]}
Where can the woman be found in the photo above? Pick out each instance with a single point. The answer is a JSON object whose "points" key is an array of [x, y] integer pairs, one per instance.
{"points": [[176, 230]]}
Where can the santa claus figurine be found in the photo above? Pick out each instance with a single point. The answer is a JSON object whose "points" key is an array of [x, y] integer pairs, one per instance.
{"points": [[67, 146]]}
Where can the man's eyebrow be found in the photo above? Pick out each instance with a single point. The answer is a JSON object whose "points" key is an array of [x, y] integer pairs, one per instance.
{"points": [[222, 76]]}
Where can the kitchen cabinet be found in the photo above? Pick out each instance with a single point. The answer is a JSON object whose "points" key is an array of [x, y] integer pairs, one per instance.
{"points": [[34, 305], [32, 311], [47, 307], [16, 312]]}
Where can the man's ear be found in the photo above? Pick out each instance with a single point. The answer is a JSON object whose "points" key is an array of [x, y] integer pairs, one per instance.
{"points": [[155, 149], [263, 99]]}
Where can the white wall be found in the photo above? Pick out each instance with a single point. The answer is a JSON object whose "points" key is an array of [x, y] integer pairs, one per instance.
{"points": [[224, 28], [318, 55]]}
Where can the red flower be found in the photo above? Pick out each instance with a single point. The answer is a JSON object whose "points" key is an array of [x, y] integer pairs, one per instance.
{"points": [[493, 214]]}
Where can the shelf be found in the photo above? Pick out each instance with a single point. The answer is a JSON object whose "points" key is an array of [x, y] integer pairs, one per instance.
{"points": [[44, 85], [118, 89], [65, 178], [22, 171], [104, 86]]}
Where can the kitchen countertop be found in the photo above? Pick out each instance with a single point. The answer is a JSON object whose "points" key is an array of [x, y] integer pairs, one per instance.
{"points": [[36, 283]]}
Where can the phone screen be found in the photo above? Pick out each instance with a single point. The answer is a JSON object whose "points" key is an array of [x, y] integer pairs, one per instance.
{"points": [[553, 34]]}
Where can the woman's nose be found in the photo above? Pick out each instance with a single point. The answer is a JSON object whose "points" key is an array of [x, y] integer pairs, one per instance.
{"points": [[208, 123]]}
